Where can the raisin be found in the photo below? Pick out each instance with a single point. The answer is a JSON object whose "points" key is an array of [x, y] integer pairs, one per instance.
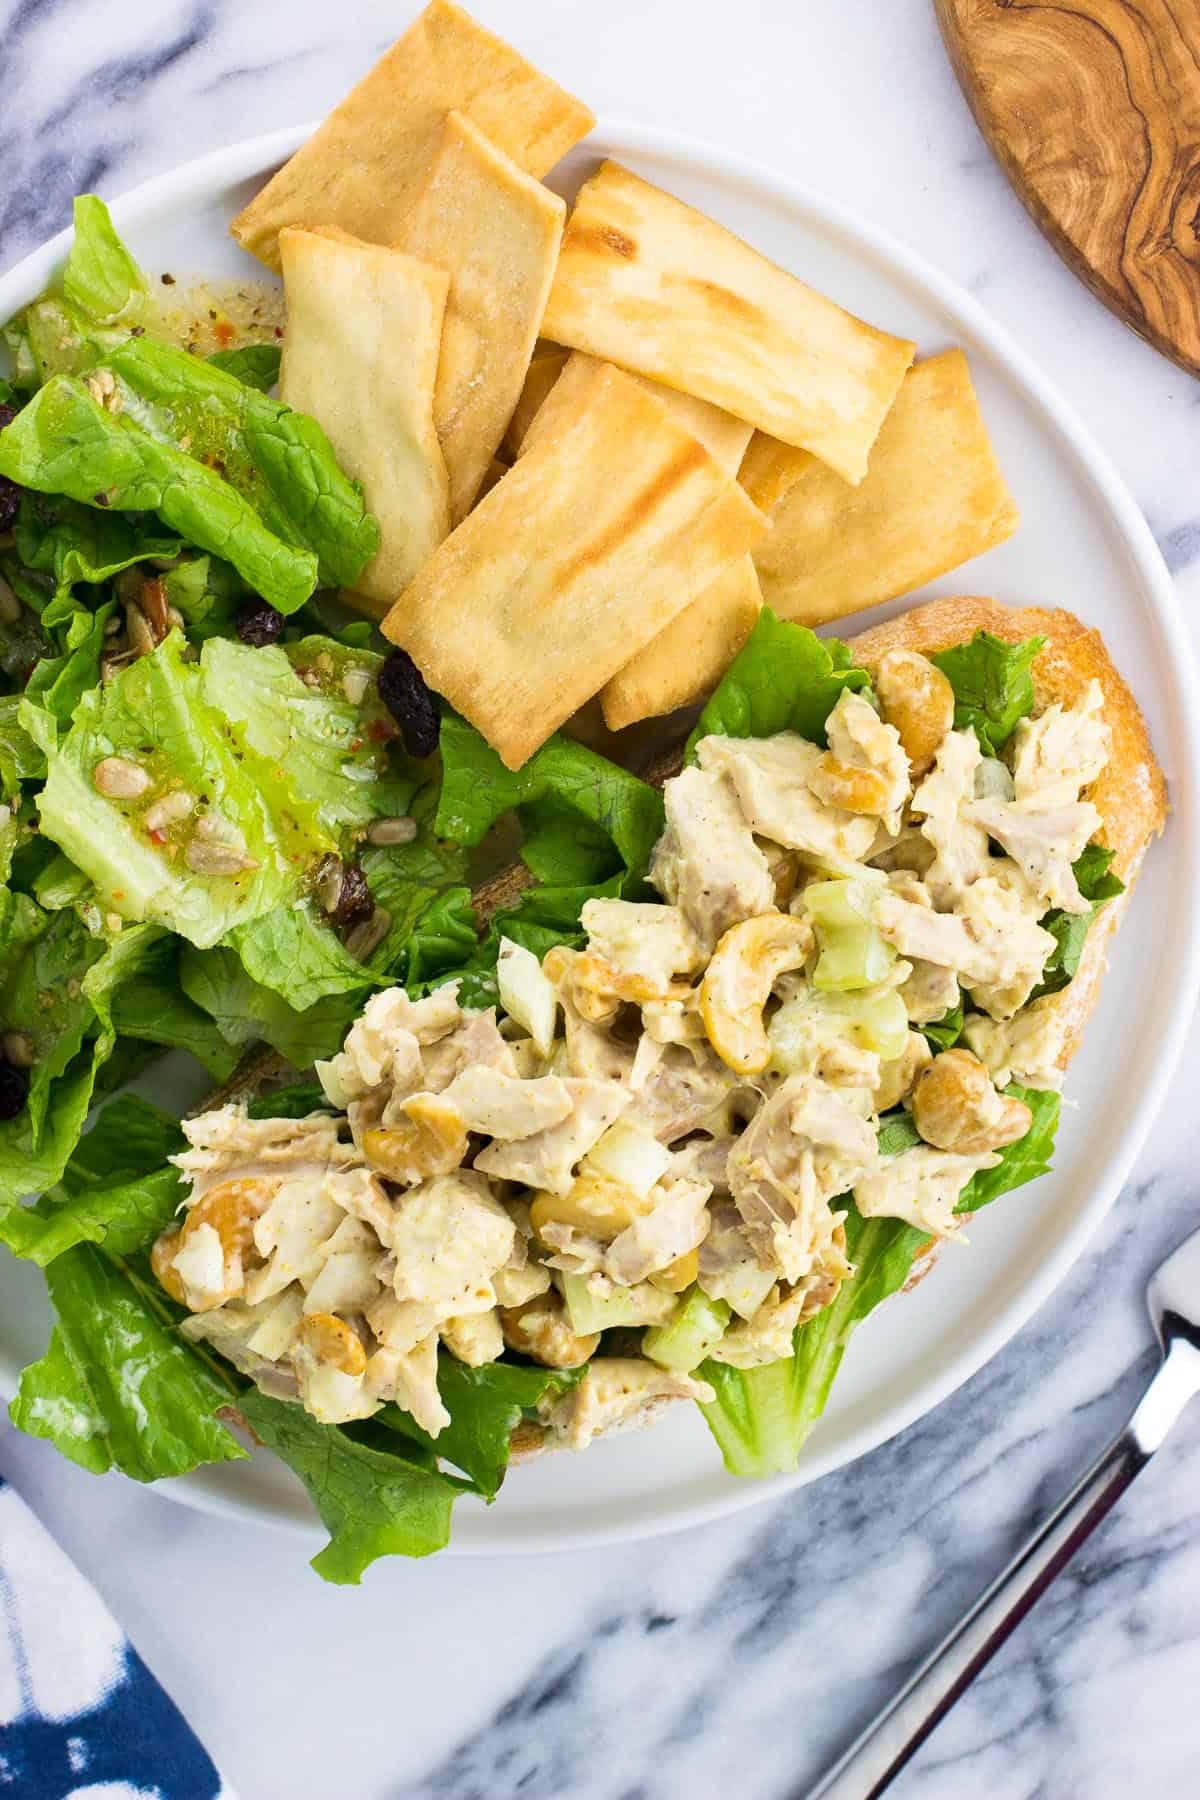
{"points": [[14, 1090], [403, 691], [258, 623], [354, 901]]}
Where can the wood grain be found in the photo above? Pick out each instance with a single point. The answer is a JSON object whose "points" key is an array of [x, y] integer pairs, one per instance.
{"points": [[1093, 108]]}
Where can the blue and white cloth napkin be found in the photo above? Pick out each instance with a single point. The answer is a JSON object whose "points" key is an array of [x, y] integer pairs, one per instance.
{"points": [[81, 1716]]}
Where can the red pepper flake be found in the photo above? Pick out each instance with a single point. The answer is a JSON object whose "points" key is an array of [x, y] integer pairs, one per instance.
{"points": [[158, 837], [381, 732], [118, 893], [224, 333]]}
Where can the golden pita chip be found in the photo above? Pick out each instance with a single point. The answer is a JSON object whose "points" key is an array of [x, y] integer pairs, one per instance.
{"points": [[689, 656], [653, 285], [723, 436], [496, 232], [770, 469], [363, 167], [361, 355], [544, 370], [590, 544], [933, 498]]}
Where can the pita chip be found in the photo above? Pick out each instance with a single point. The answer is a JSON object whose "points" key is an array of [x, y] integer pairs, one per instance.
{"points": [[546, 366], [653, 285], [687, 659], [496, 232], [591, 543], [933, 498], [723, 436], [361, 355], [363, 167], [770, 469]]}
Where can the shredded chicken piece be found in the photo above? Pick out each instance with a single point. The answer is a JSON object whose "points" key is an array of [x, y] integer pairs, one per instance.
{"points": [[922, 1186], [450, 1236], [929, 992], [503, 1106], [960, 846], [1027, 1048], [678, 1223], [226, 1141], [1062, 751], [859, 738], [767, 1336], [384, 1046], [547, 1159], [801, 1149], [409, 1378], [707, 862], [773, 781], [992, 941], [654, 942], [1044, 843], [612, 1392]]}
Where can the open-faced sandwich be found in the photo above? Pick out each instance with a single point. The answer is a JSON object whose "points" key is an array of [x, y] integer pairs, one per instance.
{"points": [[501, 1162]]}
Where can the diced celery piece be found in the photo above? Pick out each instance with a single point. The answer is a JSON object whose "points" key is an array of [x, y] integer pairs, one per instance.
{"points": [[692, 1334], [841, 905], [853, 957], [590, 1310], [877, 1021], [526, 994], [630, 1155]]}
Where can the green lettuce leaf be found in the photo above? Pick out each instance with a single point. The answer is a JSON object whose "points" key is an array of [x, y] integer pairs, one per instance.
{"points": [[330, 753], [485, 1405], [1097, 884], [245, 1012], [64, 442], [278, 460], [617, 816], [58, 683], [761, 1417], [784, 678], [294, 954], [255, 364], [945, 1032], [101, 279], [76, 543], [373, 1502], [993, 687], [207, 593], [117, 1389], [156, 711], [127, 1139]]}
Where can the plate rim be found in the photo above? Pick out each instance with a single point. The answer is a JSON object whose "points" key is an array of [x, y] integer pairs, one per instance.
{"points": [[247, 157]]}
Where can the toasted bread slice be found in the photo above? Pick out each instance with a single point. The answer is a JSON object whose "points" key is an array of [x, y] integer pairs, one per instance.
{"points": [[1130, 796]]}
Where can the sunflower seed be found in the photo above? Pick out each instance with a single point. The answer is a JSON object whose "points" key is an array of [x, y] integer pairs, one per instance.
{"points": [[392, 831], [366, 938], [19, 1049], [119, 779], [169, 810], [217, 859]]}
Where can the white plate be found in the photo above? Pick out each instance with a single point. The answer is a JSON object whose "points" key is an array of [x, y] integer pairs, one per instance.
{"points": [[1083, 545]]}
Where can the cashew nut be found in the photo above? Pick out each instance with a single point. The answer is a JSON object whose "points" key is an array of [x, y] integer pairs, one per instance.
{"points": [[850, 786], [918, 700], [737, 984], [230, 1210], [432, 1142], [595, 989], [540, 1329], [956, 1107], [678, 1275], [333, 1343], [596, 1205], [896, 1078]]}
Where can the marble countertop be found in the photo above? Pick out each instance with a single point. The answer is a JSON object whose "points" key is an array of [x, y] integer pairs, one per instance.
{"points": [[740, 1656]]}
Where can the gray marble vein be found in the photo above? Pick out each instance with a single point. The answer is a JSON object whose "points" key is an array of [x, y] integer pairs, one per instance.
{"points": [[738, 1658]]}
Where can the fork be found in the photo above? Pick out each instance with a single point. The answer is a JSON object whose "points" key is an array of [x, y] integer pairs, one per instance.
{"points": [[876, 1757]]}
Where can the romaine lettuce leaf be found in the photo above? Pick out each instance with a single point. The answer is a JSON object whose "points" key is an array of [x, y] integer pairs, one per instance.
{"points": [[945, 1032], [784, 678], [64, 442], [58, 683], [296, 955], [117, 1388], [330, 752], [255, 364], [245, 1012], [73, 543], [486, 1405], [993, 687], [280, 461], [158, 705], [128, 1138], [101, 278], [373, 1502], [1069, 930], [611, 807], [761, 1417]]}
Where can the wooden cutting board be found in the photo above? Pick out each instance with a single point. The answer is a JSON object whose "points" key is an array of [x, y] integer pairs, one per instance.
{"points": [[1093, 108]]}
